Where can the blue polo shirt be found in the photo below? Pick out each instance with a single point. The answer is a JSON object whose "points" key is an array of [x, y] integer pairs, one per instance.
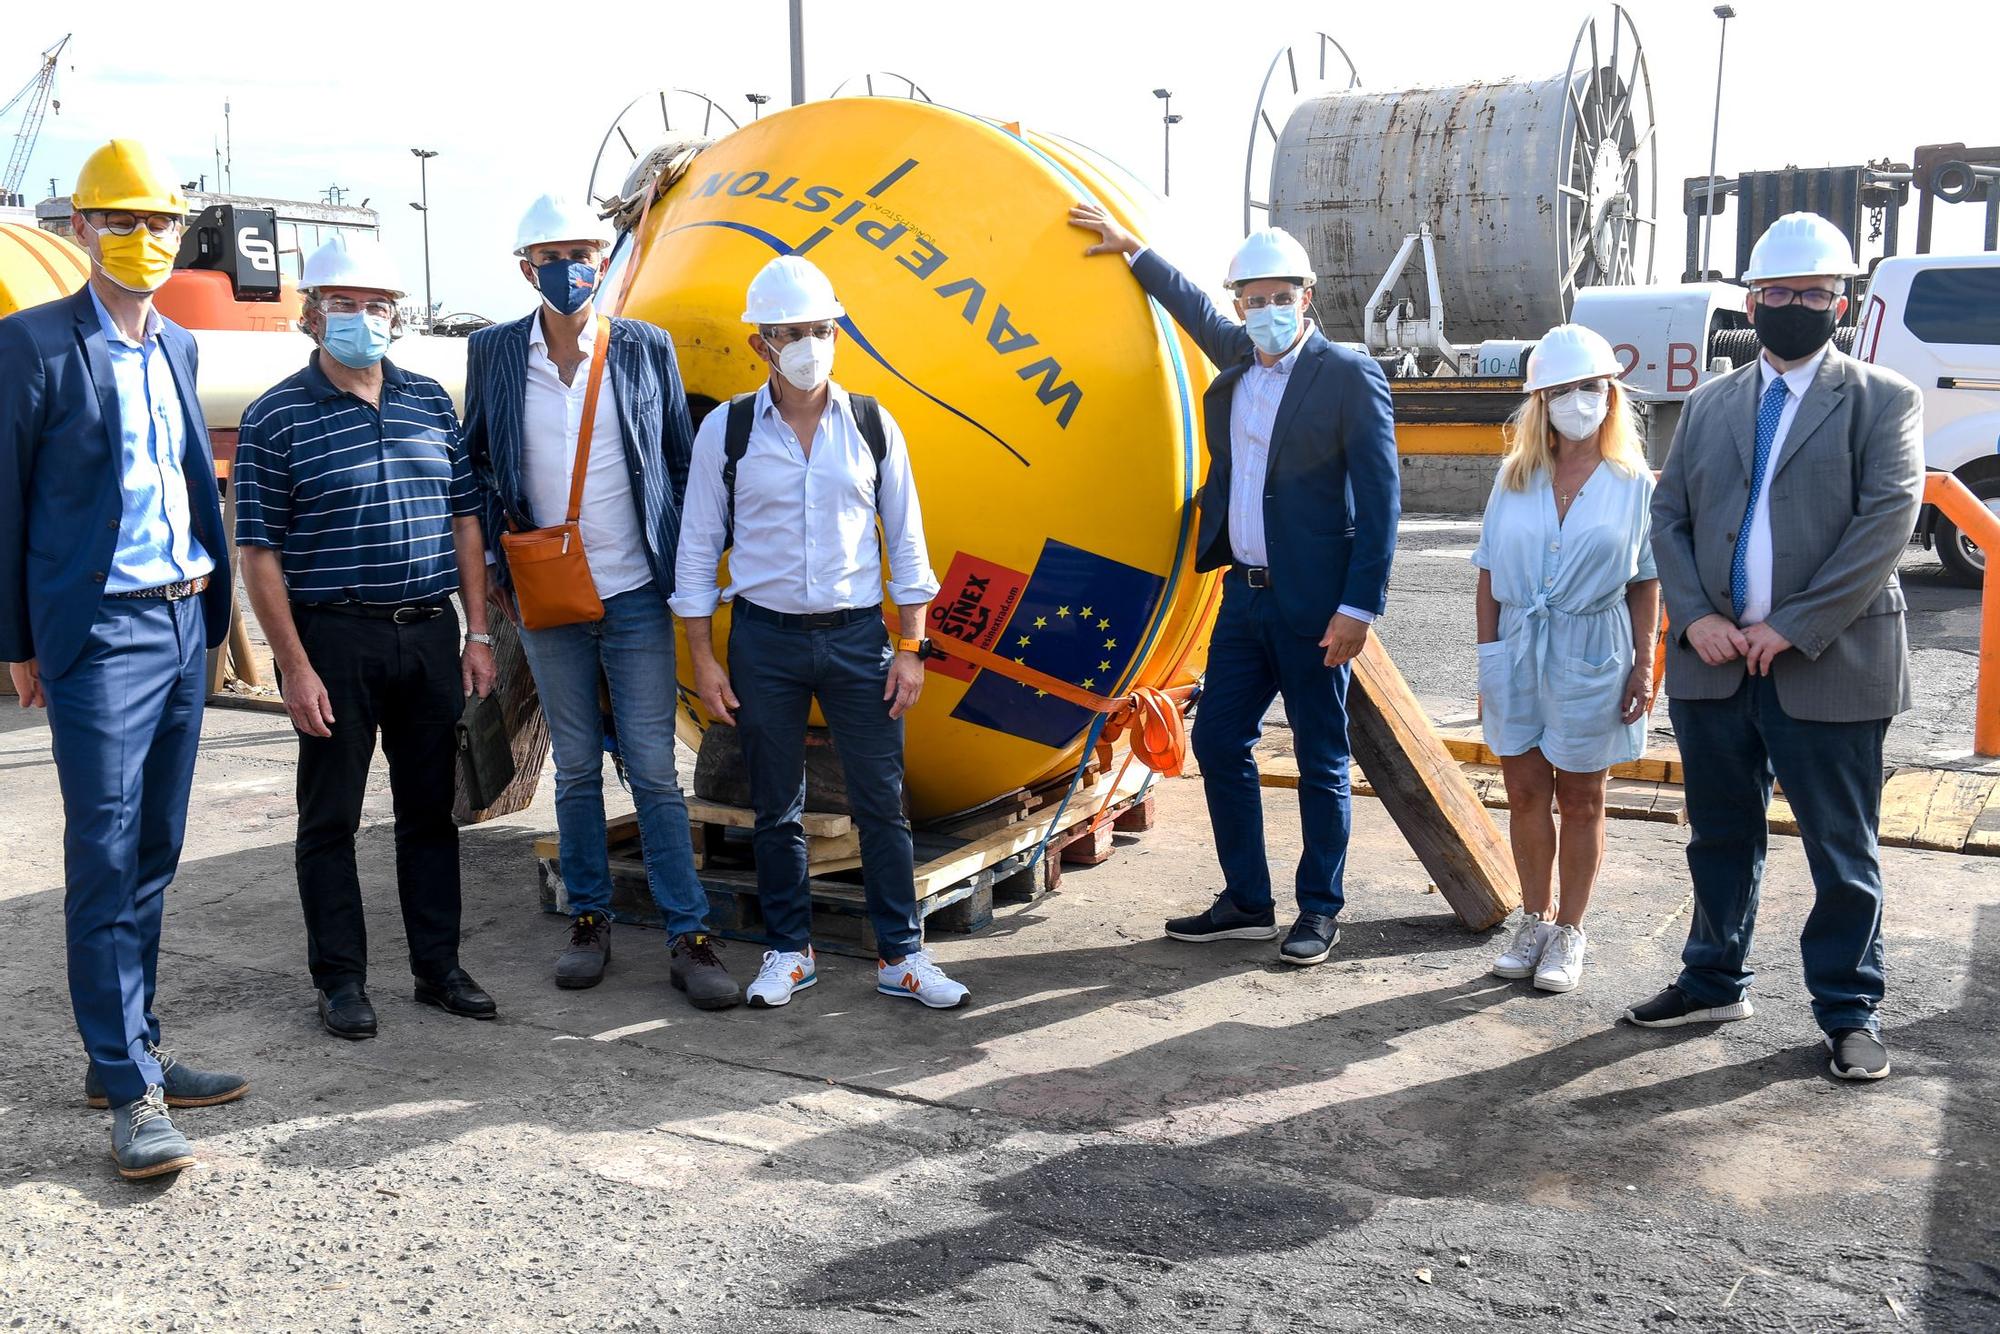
{"points": [[358, 502]]}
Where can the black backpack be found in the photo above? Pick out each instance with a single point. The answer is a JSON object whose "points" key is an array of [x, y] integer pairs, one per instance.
{"points": [[736, 442]]}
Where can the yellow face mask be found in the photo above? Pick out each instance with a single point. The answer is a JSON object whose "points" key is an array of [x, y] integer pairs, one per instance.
{"points": [[140, 262]]}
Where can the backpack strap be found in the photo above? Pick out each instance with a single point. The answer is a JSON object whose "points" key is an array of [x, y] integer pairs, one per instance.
{"points": [[868, 416], [735, 443]]}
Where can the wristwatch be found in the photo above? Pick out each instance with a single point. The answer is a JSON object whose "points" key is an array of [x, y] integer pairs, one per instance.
{"points": [[479, 639], [917, 646]]}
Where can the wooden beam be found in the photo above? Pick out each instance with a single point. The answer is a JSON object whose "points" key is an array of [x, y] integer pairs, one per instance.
{"points": [[1427, 794]]}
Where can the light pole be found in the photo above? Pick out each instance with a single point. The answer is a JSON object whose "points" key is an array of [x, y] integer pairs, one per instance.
{"points": [[1167, 121], [424, 156], [1725, 13], [798, 25], [756, 101]]}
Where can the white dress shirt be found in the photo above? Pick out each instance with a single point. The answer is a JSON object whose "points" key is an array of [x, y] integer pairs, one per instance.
{"points": [[805, 538], [1757, 559], [613, 541]]}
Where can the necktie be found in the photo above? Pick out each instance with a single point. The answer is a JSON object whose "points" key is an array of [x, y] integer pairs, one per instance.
{"points": [[1770, 410]]}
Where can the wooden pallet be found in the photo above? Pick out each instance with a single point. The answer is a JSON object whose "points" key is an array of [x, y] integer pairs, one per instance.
{"points": [[960, 875]]}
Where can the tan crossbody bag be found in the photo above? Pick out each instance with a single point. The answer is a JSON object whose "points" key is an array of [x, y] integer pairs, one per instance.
{"points": [[551, 574]]}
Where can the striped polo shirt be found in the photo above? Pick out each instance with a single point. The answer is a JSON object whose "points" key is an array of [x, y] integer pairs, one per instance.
{"points": [[358, 502]]}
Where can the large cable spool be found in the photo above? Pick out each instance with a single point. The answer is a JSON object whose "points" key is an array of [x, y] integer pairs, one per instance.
{"points": [[1056, 456], [37, 266], [1532, 189]]}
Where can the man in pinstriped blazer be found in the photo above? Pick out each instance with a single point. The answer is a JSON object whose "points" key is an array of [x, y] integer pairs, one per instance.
{"points": [[526, 385], [1791, 490]]}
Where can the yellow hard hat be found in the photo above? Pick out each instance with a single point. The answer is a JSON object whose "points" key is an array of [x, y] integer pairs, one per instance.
{"points": [[123, 175]]}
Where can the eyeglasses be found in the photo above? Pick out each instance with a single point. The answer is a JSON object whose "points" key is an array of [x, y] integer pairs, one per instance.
{"points": [[1812, 298], [1290, 298], [784, 335], [124, 224], [345, 305], [1585, 386]]}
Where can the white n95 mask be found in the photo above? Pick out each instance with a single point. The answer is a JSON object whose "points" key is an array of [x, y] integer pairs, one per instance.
{"points": [[1577, 414], [807, 362]]}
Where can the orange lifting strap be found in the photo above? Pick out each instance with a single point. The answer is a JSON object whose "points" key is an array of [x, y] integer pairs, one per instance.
{"points": [[1150, 716]]}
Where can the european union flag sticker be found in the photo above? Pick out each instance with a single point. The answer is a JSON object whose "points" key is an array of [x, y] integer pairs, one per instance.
{"points": [[1082, 618]]}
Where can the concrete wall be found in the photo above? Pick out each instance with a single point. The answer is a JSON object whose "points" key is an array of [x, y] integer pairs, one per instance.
{"points": [[1447, 483]]}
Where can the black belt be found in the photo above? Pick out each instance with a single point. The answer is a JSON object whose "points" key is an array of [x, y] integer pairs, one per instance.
{"points": [[1257, 576], [174, 592], [409, 613], [815, 620]]}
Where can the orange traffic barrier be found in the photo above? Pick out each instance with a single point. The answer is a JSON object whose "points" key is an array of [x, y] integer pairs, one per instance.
{"points": [[1983, 527]]}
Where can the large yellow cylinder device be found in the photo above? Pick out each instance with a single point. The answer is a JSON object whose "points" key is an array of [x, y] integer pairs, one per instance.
{"points": [[1050, 408]]}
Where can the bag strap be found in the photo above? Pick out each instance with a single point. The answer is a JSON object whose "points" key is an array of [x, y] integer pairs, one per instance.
{"points": [[735, 444], [598, 353], [868, 417]]}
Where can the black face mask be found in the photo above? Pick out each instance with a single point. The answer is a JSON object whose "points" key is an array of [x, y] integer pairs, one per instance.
{"points": [[1791, 332]]}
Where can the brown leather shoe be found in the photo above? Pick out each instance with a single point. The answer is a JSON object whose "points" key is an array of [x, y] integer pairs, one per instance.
{"points": [[589, 953], [695, 968]]}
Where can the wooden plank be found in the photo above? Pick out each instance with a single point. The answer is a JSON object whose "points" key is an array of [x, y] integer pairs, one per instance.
{"points": [[1002, 843], [1960, 799], [1427, 794], [1906, 797], [1984, 836], [818, 824]]}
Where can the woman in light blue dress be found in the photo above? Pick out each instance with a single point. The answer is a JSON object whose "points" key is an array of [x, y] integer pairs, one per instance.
{"points": [[1568, 609]]}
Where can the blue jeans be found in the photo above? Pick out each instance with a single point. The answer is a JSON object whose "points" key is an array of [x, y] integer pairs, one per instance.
{"points": [[125, 718], [633, 649], [1254, 657], [1832, 773], [777, 673]]}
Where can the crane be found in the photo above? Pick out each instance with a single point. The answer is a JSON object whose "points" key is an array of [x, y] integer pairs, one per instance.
{"points": [[36, 94]]}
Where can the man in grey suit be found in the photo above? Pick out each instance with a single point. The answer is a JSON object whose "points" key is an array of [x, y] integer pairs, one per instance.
{"points": [[1792, 488]]}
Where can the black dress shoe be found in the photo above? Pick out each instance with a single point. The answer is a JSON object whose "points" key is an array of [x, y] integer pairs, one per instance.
{"points": [[1311, 939], [346, 1012], [457, 993]]}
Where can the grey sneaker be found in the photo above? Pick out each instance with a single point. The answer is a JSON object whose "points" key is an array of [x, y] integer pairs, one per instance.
{"points": [[582, 964], [695, 968], [183, 1086], [1857, 1054], [144, 1141]]}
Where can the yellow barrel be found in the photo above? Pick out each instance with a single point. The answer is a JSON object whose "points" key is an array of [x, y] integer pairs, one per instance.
{"points": [[37, 266], [1050, 408]]}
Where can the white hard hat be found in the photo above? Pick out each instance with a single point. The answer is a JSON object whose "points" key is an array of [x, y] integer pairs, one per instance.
{"points": [[344, 263], [1569, 353], [1801, 245], [1270, 252], [790, 290], [554, 218]]}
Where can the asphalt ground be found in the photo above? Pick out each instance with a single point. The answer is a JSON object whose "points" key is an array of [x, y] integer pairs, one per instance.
{"points": [[1119, 1133]]}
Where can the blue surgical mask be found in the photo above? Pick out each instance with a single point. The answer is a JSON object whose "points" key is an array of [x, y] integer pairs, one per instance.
{"points": [[356, 340], [566, 284], [1274, 329]]}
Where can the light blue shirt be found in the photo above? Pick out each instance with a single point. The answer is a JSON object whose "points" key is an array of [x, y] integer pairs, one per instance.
{"points": [[156, 541]]}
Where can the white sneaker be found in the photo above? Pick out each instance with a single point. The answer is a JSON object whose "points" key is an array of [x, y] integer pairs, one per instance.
{"points": [[783, 973], [918, 978], [1524, 951], [1561, 967]]}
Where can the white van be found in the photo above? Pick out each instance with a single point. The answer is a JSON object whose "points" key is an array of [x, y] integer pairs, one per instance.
{"points": [[1936, 319]]}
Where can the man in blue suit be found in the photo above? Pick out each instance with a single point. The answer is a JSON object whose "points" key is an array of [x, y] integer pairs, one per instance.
{"points": [[113, 585], [549, 444], [1300, 509]]}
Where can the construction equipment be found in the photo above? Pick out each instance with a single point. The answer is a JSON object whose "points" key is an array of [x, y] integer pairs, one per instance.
{"points": [[38, 93], [1519, 193], [36, 266]]}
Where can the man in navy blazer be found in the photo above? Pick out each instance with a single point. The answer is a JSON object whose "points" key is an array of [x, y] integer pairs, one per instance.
{"points": [[526, 395], [113, 585], [1300, 509]]}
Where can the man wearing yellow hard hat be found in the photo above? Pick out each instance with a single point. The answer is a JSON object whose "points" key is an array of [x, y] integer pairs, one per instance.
{"points": [[113, 586]]}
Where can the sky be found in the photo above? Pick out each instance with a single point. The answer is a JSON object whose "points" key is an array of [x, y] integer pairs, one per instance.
{"points": [[516, 99]]}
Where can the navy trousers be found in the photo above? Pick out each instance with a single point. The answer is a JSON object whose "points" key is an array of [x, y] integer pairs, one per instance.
{"points": [[1832, 773], [1254, 658], [126, 718], [777, 674]]}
